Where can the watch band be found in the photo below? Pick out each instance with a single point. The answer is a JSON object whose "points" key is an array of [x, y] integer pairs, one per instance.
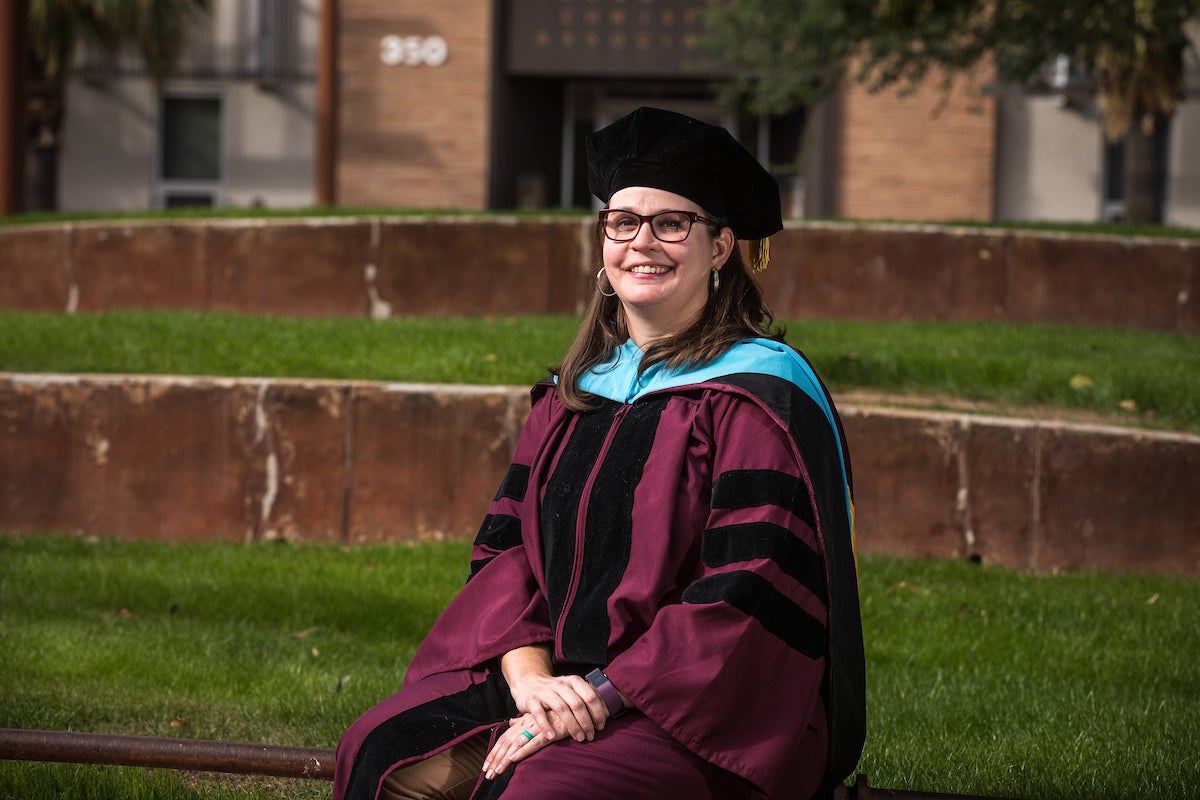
{"points": [[608, 693]]}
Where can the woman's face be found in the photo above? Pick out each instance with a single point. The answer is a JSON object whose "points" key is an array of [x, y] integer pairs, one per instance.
{"points": [[662, 286]]}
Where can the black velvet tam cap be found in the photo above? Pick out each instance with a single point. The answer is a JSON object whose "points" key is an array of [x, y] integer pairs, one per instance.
{"points": [[704, 163]]}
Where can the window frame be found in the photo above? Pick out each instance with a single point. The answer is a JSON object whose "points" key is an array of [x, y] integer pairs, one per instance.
{"points": [[167, 188]]}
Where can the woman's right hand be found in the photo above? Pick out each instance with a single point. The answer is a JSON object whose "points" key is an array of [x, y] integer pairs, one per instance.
{"points": [[560, 705]]}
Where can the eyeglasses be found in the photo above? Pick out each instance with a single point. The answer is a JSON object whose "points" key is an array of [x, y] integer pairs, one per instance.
{"points": [[667, 226]]}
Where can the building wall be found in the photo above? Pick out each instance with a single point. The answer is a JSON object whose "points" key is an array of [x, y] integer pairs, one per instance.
{"points": [[421, 136], [110, 154], [107, 156], [414, 136], [1049, 159], [1183, 190], [921, 155], [271, 141], [110, 143]]}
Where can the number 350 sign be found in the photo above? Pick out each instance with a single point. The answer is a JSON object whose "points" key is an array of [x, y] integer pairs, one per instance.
{"points": [[413, 51]]}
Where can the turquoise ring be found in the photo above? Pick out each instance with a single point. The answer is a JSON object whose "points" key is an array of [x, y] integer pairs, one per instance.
{"points": [[528, 736]]}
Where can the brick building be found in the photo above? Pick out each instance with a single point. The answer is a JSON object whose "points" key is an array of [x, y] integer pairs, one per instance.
{"points": [[481, 104], [497, 118]]}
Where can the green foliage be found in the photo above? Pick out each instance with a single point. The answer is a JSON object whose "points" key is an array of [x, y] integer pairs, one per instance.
{"points": [[1133, 376], [1143, 376], [787, 53], [34, 781], [502, 350], [157, 29], [281, 644], [782, 54], [981, 680], [212, 641]]}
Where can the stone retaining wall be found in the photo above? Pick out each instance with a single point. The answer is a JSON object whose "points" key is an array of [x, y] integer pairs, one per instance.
{"points": [[249, 460], [383, 266]]}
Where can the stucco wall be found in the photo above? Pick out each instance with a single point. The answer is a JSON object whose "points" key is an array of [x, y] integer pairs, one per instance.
{"points": [[1049, 159], [110, 161], [110, 136], [1183, 190]]}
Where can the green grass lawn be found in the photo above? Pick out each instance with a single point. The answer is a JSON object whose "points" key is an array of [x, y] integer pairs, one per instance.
{"points": [[981, 680], [1125, 376]]}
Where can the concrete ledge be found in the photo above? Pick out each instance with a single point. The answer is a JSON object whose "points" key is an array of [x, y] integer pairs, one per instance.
{"points": [[384, 266], [1043, 496], [249, 460], [340, 266]]}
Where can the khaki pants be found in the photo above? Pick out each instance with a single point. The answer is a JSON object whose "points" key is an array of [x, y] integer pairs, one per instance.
{"points": [[448, 775]]}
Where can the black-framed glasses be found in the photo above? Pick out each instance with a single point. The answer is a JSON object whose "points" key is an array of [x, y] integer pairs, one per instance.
{"points": [[667, 226]]}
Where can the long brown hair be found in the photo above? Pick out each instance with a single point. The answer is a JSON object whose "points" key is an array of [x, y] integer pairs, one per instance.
{"points": [[736, 310]]}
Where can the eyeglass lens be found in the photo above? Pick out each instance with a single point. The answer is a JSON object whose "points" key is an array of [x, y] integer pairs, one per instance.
{"points": [[667, 226]]}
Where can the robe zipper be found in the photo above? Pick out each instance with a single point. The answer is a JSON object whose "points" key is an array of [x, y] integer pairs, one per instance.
{"points": [[580, 520]]}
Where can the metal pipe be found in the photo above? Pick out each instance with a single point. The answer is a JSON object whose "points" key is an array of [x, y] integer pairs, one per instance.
{"points": [[73, 747], [264, 759]]}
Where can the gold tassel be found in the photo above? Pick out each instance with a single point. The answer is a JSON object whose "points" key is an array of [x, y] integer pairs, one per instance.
{"points": [[760, 254]]}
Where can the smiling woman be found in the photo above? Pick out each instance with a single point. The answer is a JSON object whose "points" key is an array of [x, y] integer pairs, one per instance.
{"points": [[656, 587], [660, 274]]}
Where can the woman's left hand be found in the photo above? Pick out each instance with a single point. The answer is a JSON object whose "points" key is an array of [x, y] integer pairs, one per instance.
{"points": [[521, 740]]}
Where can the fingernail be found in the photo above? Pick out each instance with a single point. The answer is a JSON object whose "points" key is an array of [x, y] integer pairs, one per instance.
{"points": [[489, 774]]}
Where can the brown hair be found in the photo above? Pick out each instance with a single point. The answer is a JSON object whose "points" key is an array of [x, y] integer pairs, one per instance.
{"points": [[735, 311]]}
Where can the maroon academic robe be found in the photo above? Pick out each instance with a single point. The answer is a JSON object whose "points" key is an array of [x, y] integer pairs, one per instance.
{"points": [[694, 543]]}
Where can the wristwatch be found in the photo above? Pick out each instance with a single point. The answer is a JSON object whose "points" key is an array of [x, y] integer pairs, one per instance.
{"points": [[608, 693]]}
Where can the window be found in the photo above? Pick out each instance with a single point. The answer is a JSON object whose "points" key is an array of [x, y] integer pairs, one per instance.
{"points": [[1112, 208], [189, 172], [278, 40]]}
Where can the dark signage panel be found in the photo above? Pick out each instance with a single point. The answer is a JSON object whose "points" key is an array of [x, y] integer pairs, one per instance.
{"points": [[605, 38]]}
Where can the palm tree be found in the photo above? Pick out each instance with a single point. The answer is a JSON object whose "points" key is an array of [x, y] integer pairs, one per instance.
{"points": [[1140, 80], [156, 28]]}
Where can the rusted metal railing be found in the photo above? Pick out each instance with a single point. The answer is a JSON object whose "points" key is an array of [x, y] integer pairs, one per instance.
{"points": [[166, 753], [263, 759]]}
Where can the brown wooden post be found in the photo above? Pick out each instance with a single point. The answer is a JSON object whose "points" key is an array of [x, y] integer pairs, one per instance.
{"points": [[13, 68], [327, 105]]}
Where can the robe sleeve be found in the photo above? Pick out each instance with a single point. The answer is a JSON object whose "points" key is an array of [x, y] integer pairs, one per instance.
{"points": [[502, 605], [734, 669]]}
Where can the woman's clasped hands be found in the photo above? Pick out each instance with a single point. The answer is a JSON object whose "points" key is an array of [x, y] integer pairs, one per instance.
{"points": [[555, 708]]}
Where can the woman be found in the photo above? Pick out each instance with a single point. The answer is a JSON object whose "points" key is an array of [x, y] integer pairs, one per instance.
{"points": [[662, 599]]}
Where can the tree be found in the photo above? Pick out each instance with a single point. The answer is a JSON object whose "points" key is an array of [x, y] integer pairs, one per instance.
{"points": [[788, 53], [156, 28]]}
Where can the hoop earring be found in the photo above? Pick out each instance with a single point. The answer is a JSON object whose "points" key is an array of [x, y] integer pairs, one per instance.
{"points": [[716, 275], [600, 288]]}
